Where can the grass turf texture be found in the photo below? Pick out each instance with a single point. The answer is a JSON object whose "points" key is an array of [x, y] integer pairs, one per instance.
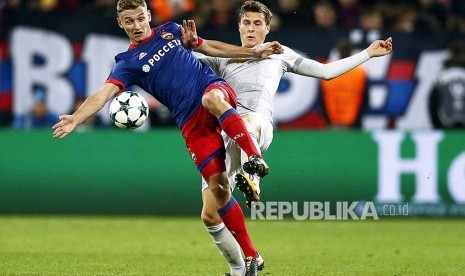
{"points": [[71, 245]]}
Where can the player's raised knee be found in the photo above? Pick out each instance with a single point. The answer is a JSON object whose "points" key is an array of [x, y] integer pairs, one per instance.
{"points": [[214, 101], [222, 194]]}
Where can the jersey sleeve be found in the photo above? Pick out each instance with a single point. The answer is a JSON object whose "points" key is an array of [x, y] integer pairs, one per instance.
{"points": [[213, 62], [120, 75], [327, 71], [290, 59], [176, 27]]}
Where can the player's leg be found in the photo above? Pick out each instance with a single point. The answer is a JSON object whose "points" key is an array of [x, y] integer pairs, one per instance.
{"points": [[234, 167], [206, 147], [237, 177], [222, 237], [219, 100], [253, 122], [261, 132], [229, 211], [231, 214], [218, 197]]}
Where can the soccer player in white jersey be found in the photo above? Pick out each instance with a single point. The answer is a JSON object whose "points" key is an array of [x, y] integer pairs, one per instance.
{"points": [[255, 83]]}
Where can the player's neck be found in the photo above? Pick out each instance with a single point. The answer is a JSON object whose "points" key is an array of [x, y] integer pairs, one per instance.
{"points": [[134, 44], [252, 46]]}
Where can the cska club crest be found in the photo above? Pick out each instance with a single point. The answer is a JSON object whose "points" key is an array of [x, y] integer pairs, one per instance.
{"points": [[167, 35]]}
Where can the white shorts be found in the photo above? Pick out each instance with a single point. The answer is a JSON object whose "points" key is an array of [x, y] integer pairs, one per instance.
{"points": [[235, 157]]}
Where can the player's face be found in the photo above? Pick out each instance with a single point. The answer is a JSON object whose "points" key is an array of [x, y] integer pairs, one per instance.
{"points": [[253, 29], [136, 24]]}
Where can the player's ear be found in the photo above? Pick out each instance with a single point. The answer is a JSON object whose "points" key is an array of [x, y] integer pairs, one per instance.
{"points": [[119, 22], [267, 29], [149, 15]]}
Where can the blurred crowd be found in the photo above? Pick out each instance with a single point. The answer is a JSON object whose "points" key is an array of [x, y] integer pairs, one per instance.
{"points": [[405, 16], [397, 15]]}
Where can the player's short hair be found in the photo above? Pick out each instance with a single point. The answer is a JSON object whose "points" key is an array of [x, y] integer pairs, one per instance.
{"points": [[123, 5], [255, 6]]}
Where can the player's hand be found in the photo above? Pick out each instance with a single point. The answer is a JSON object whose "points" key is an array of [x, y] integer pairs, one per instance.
{"points": [[380, 48], [189, 34], [65, 126], [269, 48]]}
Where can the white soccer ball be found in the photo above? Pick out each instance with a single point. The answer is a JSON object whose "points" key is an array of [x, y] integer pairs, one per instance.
{"points": [[129, 110]]}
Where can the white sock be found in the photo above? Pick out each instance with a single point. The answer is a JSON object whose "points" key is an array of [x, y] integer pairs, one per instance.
{"points": [[228, 247]]}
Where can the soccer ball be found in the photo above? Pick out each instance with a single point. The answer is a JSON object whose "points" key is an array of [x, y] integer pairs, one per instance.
{"points": [[128, 110]]}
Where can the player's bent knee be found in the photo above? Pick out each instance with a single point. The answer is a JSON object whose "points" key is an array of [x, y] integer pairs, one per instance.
{"points": [[213, 100], [219, 186], [220, 190], [222, 196]]}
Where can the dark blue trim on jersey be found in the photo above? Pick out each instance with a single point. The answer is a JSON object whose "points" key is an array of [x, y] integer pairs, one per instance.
{"points": [[223, 211], [226, 115], [213, 155]]}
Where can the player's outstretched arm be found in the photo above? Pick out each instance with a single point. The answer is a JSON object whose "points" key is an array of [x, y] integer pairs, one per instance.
{"points": [[220, 49], [380, 48], [91, 105], [328, 71]]}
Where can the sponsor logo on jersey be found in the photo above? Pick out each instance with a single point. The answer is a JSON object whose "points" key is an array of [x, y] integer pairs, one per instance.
{"points": [[167, 35], [142, 55], [146, 68], [160, 54]]}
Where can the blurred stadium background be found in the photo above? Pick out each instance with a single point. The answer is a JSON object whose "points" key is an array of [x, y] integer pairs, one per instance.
{"points": [[398, 151]]}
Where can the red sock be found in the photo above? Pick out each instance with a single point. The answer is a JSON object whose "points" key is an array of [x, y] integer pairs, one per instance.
{"points": [[233, 218], [232, 124]]}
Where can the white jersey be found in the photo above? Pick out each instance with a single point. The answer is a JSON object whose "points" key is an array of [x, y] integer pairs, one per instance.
{"points": [[254, 81]]}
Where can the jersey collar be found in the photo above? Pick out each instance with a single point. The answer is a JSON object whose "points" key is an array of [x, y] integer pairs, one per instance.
{"points": [[132, 45]]}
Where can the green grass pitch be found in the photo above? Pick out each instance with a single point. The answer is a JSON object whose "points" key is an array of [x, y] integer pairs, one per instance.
{"points": [[105, 245]]}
